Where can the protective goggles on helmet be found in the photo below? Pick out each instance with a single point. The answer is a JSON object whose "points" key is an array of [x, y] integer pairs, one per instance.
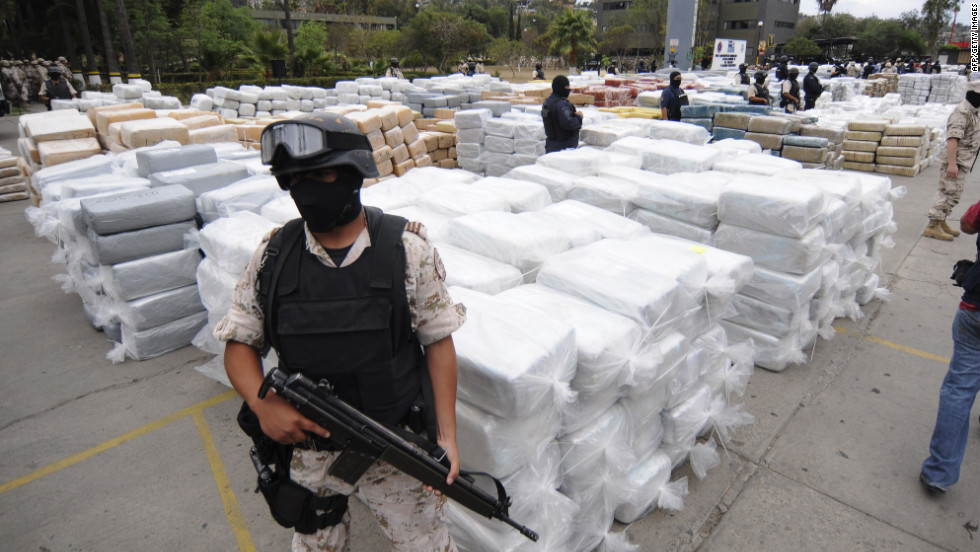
{"points": [[302, 140]]}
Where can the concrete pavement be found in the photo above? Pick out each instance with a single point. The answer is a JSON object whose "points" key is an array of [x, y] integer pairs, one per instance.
{"points": [[147, 456]]}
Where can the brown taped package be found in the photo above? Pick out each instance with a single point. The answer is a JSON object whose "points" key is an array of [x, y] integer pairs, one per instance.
{"points": [[149, 132], [383, 154], [376, 138], [410, 133], [389, 119], [55, 152], [404, 167], [201, 121], [60, 128], [93, 112], [417, 148], [400, 153], [106, 118]]}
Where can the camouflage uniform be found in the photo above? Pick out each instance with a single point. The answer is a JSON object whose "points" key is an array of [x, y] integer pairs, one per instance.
{"points": [[10, 89], [62, 64], [964, 125], [20, 79], [35, 77], [411, 517]]}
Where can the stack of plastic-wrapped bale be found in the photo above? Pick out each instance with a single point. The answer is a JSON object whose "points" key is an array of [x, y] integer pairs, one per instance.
{"points": [[861, 141], [903, 149], [493, 145], [914, 88]]}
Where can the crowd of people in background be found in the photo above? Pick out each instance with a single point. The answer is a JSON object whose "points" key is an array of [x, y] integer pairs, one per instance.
{"points": [[24, 81]]}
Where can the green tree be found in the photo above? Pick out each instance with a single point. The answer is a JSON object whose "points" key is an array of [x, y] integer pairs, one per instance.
{"points": [[935, 17], [802, 46], [265, 47], [441, 36], [571, 32], [617, 40], [385, 44], [887, 38], [507, 52], [825, 6], [649, 18]]}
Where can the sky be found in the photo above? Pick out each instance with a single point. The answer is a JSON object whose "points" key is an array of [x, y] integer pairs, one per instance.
{"points": [[885, 9]]}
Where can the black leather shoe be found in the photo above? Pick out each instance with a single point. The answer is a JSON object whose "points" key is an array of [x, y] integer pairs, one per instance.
{"points": [[931, 487]]}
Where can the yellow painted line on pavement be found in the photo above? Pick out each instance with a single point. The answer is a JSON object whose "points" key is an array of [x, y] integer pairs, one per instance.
{"points": [[112, 443], [896, 346], [232, 511]]}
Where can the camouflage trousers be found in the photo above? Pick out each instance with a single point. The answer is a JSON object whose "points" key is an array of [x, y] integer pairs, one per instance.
{"points": [[948, 194], [411, 517]]}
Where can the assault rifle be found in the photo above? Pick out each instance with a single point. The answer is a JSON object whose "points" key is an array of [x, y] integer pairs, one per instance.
{"points": [[366, 441]]}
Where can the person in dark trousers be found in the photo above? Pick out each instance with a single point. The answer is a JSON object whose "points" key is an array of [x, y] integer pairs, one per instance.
{"points": [[811, 87], [869, 68], [561, 121], [742, 77], [672, 98], [653, 65], [782, 70], [538, 72], [55, 88], [962, 382], [357, 297], [758, 91], [641, 67]]}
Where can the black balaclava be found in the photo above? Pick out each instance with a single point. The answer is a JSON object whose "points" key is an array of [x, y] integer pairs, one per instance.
{"points": [[560, 86], [973, 98], [327, 205], [675, 79]]}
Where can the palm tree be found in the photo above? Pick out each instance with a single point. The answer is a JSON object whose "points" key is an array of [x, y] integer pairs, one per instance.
{"points": [[112, 64], [265, 48], [825, 6], [86, 39], [570, 30], [129, 47]]}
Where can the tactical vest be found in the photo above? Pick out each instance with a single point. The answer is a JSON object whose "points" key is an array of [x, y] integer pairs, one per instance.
{"points": [[549, 115], [794, 90], [812, 85], [674, 107], [743, 78], [350, 325], [58, 90]]}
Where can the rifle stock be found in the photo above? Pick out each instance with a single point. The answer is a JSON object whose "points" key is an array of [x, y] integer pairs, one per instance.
{"points": [[366, 440]]}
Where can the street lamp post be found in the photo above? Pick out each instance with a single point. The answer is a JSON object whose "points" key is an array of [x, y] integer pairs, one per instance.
{"points": [[758, 42]]}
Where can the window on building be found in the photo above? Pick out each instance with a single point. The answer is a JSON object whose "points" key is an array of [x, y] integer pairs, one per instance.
{"points": [[785, 25], [613, 6], [744, 24]]}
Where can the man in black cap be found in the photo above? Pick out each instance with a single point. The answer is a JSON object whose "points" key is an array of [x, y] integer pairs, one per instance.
{"points": [[672, 98], [742, 77], [561, 121], [55, 88]]}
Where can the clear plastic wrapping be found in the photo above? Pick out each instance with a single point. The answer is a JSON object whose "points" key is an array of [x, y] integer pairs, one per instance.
{"points": [[772, 206], [149, 275], [664, 224], [146, 344], [606, 342], [621, 287], [250, 194], [477, 272], [521, 194], [580, 162], [607, 224], [606, 133], [462, 199], [97, 165], [512, 360], [138, 209], [232, 241], [152, 310], [777, 320], [558, 182], [649, 480], [600, 449], [514, 239], [435, 223], [611, 194], [126, 246], [85, 187], [500, 446], [842, 185], [280, 210], [672, 157], [691, 197], [684, 132], [785, 254], [790, 290], [772, 353], [757, 163], [215, 287]]}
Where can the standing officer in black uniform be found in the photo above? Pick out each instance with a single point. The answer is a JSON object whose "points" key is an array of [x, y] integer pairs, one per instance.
{"points": [[561, 121], [811, 87], [742, 77], [353, 296], [672, 98]]}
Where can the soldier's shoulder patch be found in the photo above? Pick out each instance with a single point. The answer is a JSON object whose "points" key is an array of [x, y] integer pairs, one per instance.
{"points": [[418, 229]]}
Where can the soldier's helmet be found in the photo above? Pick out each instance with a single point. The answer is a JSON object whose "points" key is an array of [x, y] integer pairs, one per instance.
{"points": [[794, 72], [54, 72], [814, 66], [316, 141]]}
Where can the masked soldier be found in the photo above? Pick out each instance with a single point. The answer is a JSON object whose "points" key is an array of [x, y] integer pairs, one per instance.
{"points": [[673, 98], [357, 297], [812, 87], [56, 88], [758, 92], [790, 92], [561, 121]]}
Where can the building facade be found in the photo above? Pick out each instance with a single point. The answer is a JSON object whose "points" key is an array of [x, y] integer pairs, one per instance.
{"points": [[740, 20]]}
